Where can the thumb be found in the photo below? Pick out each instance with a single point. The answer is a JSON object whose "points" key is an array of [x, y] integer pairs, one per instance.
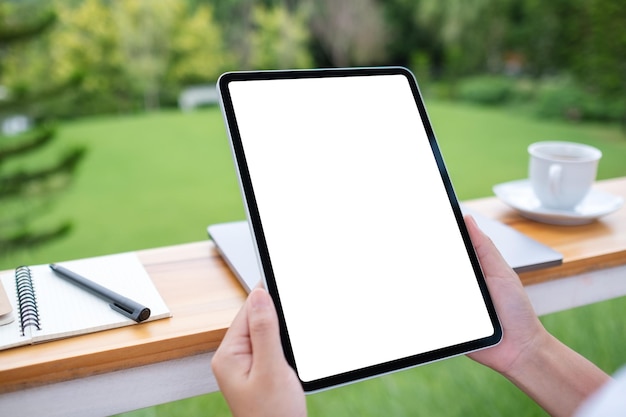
{"points": [[264, 333], [490, 257]]}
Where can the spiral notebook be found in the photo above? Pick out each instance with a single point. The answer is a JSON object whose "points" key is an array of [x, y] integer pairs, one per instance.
{"points": [[46, 307]]}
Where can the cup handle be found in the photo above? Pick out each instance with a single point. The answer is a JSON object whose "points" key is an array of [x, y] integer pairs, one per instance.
{"points": [[554, 179]]}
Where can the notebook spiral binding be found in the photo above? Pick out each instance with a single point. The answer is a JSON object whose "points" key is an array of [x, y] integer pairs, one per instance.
{"points": [[27, 299]]}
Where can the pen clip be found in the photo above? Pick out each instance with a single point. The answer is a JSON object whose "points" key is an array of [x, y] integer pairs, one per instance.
{"points": [[138, 316]]}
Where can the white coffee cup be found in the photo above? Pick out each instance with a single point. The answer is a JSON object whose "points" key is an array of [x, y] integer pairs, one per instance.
{"points": [[562, 173]]}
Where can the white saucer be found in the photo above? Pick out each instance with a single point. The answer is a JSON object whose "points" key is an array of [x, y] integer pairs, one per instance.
{"points": [[520, 195]]}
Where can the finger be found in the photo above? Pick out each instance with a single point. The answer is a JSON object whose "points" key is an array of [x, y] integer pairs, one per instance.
{"points": [[490, 257], [503, 283], [236, 342], [238, 328], [264, 333]]}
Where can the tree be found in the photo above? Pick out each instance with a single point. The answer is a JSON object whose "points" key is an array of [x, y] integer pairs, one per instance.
{"points": [[407, 39], [168, 44], [600, 60], [145, 29], [349, 32], [545, 32], [28, 185], [583, 44], [198, 48], [86, 41], [132, 54], [235, 17], [280, 39], [472, 32]]}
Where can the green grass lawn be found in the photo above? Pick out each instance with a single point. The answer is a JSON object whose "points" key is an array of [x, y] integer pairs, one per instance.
{"points": [[159, 179], [147, 180]]}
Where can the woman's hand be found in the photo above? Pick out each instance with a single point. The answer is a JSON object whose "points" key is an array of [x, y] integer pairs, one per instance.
{"points": [[521, 327], [250, 366], [552, 374]]}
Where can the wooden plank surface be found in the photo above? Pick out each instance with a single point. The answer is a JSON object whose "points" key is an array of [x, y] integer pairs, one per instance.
{"points": [[204, 296]]}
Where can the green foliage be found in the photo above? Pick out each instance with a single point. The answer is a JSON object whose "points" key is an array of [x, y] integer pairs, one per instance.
{"points": [[408, 40], [130, 54], [550, 97], [139, 54], [545, 34], [566, 99], [472, 32], [490, 90], [28, 182], [561, 100], [599, 58], [530, 38], [144, 29], [86, 42], [12, 33], [29, 179], [198, 49], [280, 39], [585, 39]]}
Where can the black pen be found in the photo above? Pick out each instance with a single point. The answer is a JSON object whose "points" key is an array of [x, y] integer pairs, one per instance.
{"points": [[119, 303]]}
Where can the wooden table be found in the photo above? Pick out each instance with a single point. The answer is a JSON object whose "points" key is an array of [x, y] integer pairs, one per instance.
{"points": [[133, 367]]}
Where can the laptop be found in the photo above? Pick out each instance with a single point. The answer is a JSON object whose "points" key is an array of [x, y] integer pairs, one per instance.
{"points": [[522, 253]]}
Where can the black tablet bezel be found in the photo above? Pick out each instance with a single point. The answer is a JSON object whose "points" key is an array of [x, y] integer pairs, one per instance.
{"points": [[262, 249]]}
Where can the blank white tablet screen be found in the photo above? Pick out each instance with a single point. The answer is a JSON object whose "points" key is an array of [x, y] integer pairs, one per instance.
{"points": [[367, 256]]}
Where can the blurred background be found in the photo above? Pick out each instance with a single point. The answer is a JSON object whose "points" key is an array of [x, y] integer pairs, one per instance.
{"points": [[111, 139]]}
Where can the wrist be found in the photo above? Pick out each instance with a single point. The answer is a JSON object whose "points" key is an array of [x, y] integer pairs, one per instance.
{"points": [[535, 354], [555, 376]]}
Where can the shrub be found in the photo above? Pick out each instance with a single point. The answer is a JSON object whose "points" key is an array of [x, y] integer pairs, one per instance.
{"points": [[568, 99], [488, 90], [560, 99]]}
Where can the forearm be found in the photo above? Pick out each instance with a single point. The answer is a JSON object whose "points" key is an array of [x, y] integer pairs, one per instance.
{"points": [[556, 377]]}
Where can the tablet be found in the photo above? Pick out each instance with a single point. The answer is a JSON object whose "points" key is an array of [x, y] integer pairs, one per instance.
{"points": [[355, 224]]}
